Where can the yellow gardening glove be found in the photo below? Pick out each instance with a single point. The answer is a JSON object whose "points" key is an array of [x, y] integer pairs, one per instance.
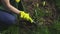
{"points": [[25, 16]]}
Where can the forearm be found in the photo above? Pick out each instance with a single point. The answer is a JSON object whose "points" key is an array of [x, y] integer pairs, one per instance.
{"points": [[13, 9]]}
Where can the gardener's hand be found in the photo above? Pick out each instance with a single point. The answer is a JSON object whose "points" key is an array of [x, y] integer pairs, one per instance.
{"points": [[25, 16]]}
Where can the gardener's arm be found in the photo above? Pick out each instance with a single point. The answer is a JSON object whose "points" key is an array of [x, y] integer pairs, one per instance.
{"points": [[22, 14], [7, 4]]}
